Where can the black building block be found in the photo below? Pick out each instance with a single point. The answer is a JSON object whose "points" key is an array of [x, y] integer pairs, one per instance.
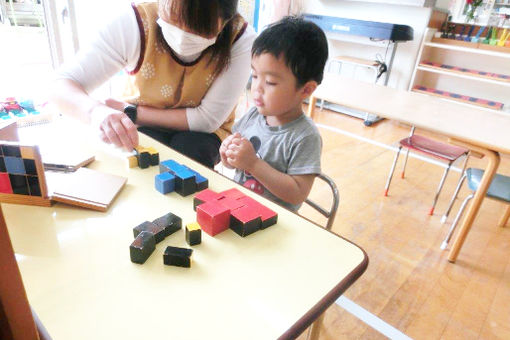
{"points": [[193, 234], [154, 158], [170, 222], [142, 247], [159, 232], [175, 256], [144, 159]]}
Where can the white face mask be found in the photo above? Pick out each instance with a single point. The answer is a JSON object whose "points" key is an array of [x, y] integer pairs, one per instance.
{"points": [[184, 43]]}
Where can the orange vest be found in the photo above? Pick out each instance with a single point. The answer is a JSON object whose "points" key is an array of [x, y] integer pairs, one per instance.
{"points": [[161, 80]]}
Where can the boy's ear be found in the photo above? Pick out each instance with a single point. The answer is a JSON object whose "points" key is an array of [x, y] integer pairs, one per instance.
{"points": [[308, 88]]}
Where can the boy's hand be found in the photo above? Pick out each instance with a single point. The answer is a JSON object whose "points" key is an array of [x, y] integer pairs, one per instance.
{"points": [[224, 147], [241, 154]]}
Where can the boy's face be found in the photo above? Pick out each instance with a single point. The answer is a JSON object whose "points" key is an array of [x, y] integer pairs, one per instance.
{"points": [[274, 90]]}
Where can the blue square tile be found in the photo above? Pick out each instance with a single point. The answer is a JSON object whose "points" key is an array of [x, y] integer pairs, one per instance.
{"points": [[14, 165]]}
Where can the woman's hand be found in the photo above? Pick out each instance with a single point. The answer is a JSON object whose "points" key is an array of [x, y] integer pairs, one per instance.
{"points": [[115, 127], [241, 154]]}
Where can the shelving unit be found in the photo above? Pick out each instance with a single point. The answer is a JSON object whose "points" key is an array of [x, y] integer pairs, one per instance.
{"points": [[464, 72]]}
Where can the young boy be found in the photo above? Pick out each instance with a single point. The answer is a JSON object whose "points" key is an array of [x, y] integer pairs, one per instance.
{"points": [[275, 148]]}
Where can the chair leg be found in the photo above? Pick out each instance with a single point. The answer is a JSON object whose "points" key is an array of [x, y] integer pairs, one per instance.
{"points": [[456, 221], [504, 218], [388, 182], [431, 212], [454, 197], [405, 164]]}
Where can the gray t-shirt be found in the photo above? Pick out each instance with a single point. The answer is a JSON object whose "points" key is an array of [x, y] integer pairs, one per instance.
{"points": [[293, 149]]}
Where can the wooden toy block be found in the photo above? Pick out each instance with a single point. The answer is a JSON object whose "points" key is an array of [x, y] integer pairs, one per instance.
{"points": [[245, 221], [132, 161], [170, 222], [164, 182], [213, 217], [204, 196], [268, 216], [193, 234], [170, 165], [185, 183], [230, 203], [142, 247], [158, 231], [144, 159], [175, 256], [232, 193], [154, 155], [202, 182]]}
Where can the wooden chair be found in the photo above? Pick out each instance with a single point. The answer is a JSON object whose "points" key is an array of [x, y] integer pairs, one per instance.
{"points": [[17, 320], [499, 190], [442, 151], [331, 213]]}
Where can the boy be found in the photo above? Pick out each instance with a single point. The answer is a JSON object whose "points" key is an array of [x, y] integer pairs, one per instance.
{"points": [[275, 148]]}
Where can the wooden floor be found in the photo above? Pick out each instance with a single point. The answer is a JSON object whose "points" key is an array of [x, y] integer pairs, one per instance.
{"points": [[409, 283]]}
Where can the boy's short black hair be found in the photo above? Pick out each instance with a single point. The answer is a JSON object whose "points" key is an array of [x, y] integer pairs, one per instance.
{"points": [[303, 44]]}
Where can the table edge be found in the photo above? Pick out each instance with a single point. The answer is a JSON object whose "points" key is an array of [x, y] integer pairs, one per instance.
{"points": [[320, 307]]}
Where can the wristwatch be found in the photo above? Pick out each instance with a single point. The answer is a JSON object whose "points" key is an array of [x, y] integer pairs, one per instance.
{"points": [[131, 111]]}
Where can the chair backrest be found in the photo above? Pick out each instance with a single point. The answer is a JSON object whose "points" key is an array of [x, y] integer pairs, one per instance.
{"points": [[331, 213]]}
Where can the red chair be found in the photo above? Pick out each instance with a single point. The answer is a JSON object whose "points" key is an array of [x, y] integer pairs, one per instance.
{"points": [[442, 151]]}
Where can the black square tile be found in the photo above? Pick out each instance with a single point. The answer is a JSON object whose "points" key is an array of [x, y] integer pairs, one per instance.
{"points": [[30, 168], [33, 185], [19, 184], [11, 150]]}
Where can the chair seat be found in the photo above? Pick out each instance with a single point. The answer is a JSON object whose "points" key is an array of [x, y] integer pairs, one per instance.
{"points": [[499, 188], [433, 148]]}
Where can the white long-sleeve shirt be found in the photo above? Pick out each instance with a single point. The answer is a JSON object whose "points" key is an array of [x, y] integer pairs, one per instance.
{"points": [[117, 47]]}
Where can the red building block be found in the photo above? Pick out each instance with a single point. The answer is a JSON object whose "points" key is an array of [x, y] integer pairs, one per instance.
{"points": [[245, 221], [213, 217], [232, 193], [203, 196], [230, 203], [5, 183], [268, 216]]}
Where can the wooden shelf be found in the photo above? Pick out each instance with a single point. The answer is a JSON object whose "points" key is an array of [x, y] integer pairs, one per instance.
{"points": [[468, 50], [493, 105], [463, 74]]}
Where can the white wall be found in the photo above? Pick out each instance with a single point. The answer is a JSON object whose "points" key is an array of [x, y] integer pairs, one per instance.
{"points": [[416, 17]]}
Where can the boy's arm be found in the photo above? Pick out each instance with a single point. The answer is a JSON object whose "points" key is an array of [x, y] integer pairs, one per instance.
{"points": [[293, 189]]}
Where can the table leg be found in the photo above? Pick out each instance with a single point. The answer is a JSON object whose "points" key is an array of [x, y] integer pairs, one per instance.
{"points": [[504, 218], [493, 159], [315, 328], [311, 107]]}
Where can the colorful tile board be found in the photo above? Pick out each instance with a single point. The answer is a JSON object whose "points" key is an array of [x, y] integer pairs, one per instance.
{"points": [[22, 178]]}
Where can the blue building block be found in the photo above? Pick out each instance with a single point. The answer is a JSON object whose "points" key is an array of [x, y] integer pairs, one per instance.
{"points": [[165, 182], [202, 182], [170, 165]]}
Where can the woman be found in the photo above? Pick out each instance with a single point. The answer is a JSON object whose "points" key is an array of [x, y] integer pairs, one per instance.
{"points": [[189, 61]]}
